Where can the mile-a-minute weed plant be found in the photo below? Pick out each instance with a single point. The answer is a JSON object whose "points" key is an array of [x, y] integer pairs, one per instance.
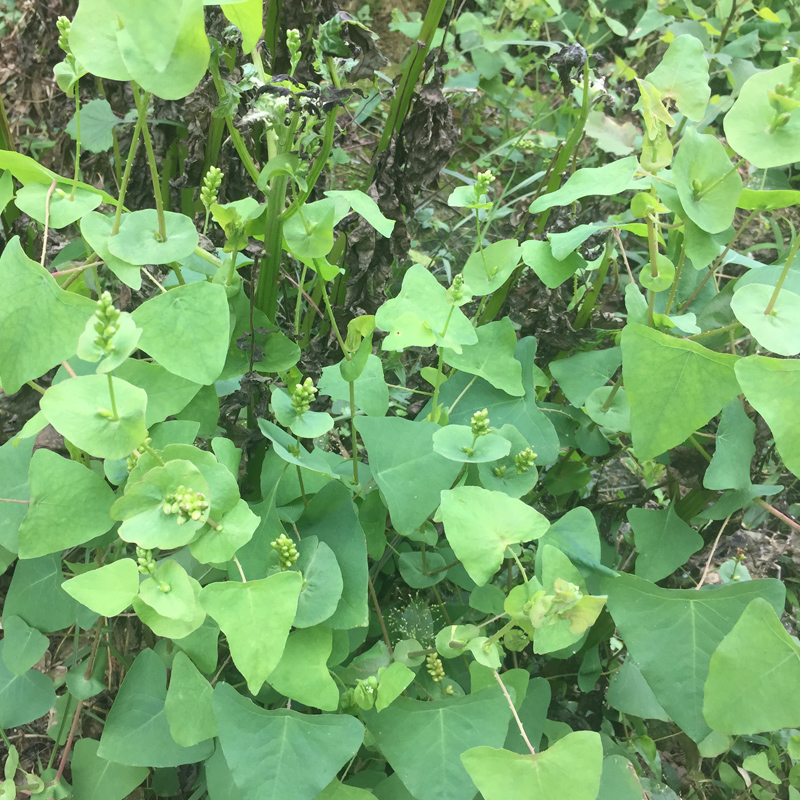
{"points": [[272, 640]]}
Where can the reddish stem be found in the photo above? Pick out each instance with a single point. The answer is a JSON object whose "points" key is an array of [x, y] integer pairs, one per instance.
{"points": [[780, 515]]}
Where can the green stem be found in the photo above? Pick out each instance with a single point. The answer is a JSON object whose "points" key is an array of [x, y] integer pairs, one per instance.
{"points": [[335, 327], [477, 318], [178, 274], [255, 57], [77, 138], [779, 285], [232, 268], [434, 415], [300, 481], [149, 450], [114, 138], [499, 634], [206, 256], [241, 150], [113, 399], [126, 176], [480, 244], [6, 142], [707, 189], [236, 137], [316, 169], [572, 142], [141, 109], [332, 70], [411, 69], [396, 386], [652, 241], [726, 27], [718, 260], [269, 274], [463, 392], [353, 434], [444, 568], [697, 446], [723, 329], [678, 131], [520, 568], [588, 304], [299, 301], [439, 369], [272, 27], [610, 399], [678, 271]]}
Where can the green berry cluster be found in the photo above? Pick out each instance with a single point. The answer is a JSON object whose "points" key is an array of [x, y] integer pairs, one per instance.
{"points": [[211, 182], [524, 461], [186, 504], [456, 290], [107, 323], [783, 99], [293, 46], [145, 561], [287, 552], [483, 181], [63, 24], [435, 667], [302, 395], [479, 423]]}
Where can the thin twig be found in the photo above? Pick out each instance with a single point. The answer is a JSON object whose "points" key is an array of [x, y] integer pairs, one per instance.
{"points": [[68, 369], [624, 254], [239, 567], [76, 269], [779, 514], [514, 712], [711, 554], [68, 745], [304, 292], [154, 280], [380, 616], [219, 671]]}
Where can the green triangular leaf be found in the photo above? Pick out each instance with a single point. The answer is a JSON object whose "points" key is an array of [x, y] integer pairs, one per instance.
{"points": [[673, 386], [136, 732], [569, 770], [41, 322], [56, 520], [772, 385], [256, 617], [274, 755], [671, 633], [750, 671], [492, 358], [423, 741]]}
